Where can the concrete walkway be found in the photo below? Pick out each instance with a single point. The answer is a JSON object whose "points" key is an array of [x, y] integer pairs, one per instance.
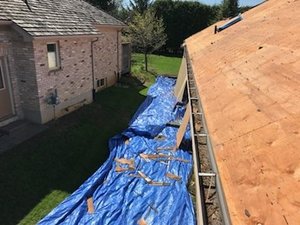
{"points": [[18, 132]]}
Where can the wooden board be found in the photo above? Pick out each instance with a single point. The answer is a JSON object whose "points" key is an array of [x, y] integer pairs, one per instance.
{"points": [[90, 205], [249, 81], [181, 81], [183, 126]]}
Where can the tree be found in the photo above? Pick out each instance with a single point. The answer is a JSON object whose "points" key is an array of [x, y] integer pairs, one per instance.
{"points": [[183, 19], [230, 8], [110, 6], [146, 33], [140, 6]]}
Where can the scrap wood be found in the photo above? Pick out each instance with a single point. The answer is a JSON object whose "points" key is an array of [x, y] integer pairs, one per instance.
{"points": [[170, 158], [90, 205], [182, 160], [142, 222], [166, 148], [151, 182], [173, 176], [128, 162], [157, 183], [135, 175], [153, 156], [147, 179], [162, 157], [122, 169], [125, 161]]}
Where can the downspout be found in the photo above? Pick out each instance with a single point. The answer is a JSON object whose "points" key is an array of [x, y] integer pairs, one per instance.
{"points": [[93, 69], [118, 57]]}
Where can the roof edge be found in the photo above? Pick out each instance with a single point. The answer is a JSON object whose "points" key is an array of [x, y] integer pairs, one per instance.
{"points": [[17, 28], [38, 37], [113, 26], [5, 22]]}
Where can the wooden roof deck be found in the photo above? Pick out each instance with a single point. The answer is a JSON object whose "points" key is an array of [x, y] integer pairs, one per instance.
{"points": [[248, 78]]}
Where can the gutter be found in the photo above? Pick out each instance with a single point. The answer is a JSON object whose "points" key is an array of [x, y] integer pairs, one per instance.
{"points": [[200, 204], [93, 69], [219, 188]]}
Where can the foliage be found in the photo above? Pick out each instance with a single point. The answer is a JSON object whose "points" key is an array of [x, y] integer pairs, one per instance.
{"points": [[146, 33], [110, 6], [230, 8], [182, 19], [140, 6]]}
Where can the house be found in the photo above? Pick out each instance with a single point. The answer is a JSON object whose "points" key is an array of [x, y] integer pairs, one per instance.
{"points": [[54, 55], [248, 80]]}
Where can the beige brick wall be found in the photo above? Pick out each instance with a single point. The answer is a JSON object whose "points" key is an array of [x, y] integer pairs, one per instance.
{"points": [[32, 81], [73, 80], [19, 55], [106, 57], [26, 76]]}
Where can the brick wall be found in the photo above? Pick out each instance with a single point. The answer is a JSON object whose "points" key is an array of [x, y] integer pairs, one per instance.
{"points": [[72, 81], [106, 58], [19, 55], [26, 76], [33, 82]]}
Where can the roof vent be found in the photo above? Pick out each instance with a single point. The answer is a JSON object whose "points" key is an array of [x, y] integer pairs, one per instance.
{"points": [[28, 6], [229, 23]]}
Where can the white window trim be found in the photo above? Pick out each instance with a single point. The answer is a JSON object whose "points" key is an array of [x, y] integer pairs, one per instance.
{"points": [[56, 55]]}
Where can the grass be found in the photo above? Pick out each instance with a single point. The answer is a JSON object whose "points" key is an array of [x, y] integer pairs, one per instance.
{"points": [[39, 173], [157, 65]]}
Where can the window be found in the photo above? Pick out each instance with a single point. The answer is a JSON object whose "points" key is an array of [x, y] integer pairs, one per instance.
{"points": [[1, 78], [53, 61], [101, 82]]}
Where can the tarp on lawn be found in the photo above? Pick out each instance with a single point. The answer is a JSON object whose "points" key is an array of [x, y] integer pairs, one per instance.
{"points": [[127, 197]]}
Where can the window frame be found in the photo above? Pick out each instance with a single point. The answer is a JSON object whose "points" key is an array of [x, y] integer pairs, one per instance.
{"points": [[101, 83], [2, 77], [57, 56]]}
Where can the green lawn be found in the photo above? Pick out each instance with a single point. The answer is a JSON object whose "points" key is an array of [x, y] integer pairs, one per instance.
{"points": [[158, 64], [39, 173]]}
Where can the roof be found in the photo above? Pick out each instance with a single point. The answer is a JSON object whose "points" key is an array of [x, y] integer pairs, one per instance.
{"points": [[55, 17], [248, 79]]}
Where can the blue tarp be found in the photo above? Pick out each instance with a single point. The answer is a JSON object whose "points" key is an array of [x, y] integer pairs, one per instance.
{"points": [[125, 197]]}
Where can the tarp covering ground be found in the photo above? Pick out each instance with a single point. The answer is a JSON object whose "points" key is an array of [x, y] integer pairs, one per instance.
{"points": [[142, 190]]}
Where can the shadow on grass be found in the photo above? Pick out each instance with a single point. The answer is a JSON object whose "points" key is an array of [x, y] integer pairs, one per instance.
{"points": [[39, 173]]}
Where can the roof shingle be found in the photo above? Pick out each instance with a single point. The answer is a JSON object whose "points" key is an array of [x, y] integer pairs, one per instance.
{"points": [[56, 17]]}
